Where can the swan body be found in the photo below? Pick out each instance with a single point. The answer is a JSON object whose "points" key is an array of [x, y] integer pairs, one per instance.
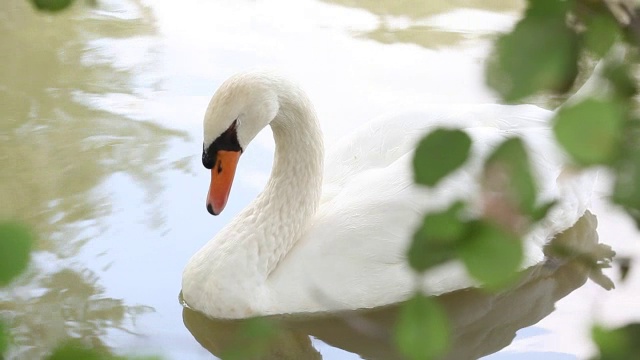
{"points": [[331, 233]]}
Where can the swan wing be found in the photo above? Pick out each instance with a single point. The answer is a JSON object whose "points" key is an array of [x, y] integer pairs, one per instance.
{"points": [[355, 248]]}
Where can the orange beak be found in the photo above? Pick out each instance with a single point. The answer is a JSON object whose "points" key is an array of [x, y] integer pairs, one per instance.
{"points": [[222, 174]]}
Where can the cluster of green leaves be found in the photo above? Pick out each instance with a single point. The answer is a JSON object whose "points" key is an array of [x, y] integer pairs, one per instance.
{"points": [[539, 56], [447, 235], [600, 130], [489, 247]]}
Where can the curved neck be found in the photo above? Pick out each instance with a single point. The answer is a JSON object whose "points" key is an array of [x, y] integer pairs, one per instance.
{"points": [[291, 197], [239, 259]]}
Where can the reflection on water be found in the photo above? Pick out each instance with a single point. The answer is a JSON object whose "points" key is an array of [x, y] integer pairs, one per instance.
{"points": [[56, 148], [482, 323], [416, 9], [417, 22]]}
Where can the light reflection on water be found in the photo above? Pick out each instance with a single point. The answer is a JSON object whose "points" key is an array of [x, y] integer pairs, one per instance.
{"points": [[101, 138], [58, 150]]}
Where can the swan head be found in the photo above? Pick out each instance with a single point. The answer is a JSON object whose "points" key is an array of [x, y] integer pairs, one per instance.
{"points": [[238, 111]]}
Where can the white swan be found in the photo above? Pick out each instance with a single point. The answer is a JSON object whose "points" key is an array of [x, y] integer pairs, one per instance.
{"points": [[333, 236]]}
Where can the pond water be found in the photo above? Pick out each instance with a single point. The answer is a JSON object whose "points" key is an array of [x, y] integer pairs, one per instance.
{"points": [[100, 146]]}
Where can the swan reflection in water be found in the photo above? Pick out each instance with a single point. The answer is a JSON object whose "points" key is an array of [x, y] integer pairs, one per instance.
{"points": [[482, 323]]}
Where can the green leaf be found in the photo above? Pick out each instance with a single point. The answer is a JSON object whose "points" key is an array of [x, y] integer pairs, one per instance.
{"points": [[591, 130], [4, 339], [620, 76], [16, 242], [626, 191], [436, 240], [422, 329], [51, 5], [540, 54], [507, 170], [253, 340], [602, 32], [439, 153], [617, 344], [547, 8], [75, 350], [491, 255]]}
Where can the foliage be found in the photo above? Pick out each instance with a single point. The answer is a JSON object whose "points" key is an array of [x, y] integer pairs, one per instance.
{"points": [[255, 336], [438, 154], [16, 242], [539, 56], [591, 130], [422, 329], [74, 349], [4, 339], [617, 344], [524, 63], [437, 240], [491, 254], [52, 5]]}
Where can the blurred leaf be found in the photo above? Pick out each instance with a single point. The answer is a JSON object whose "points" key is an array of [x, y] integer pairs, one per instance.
{"points": [[507, 170], [617, 344], [591, 130], [620, 76], [16, 242], [541, 211], [624, 266], [547, 8], [491, 255], [75, 350], [52, 5], [602, 32], [422, 329], [540, 54], [435, 241], [255, 336], [439, 153], [626, 191], [4, 339]]}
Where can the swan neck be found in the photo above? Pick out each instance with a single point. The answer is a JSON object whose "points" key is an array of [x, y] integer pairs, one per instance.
{"points": [[292, 194]]}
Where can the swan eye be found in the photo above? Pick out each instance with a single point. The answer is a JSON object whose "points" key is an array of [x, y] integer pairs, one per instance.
{"points": [[227, 141]]}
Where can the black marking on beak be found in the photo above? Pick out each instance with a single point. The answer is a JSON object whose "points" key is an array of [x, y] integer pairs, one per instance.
{"points": [[228, 141]]}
